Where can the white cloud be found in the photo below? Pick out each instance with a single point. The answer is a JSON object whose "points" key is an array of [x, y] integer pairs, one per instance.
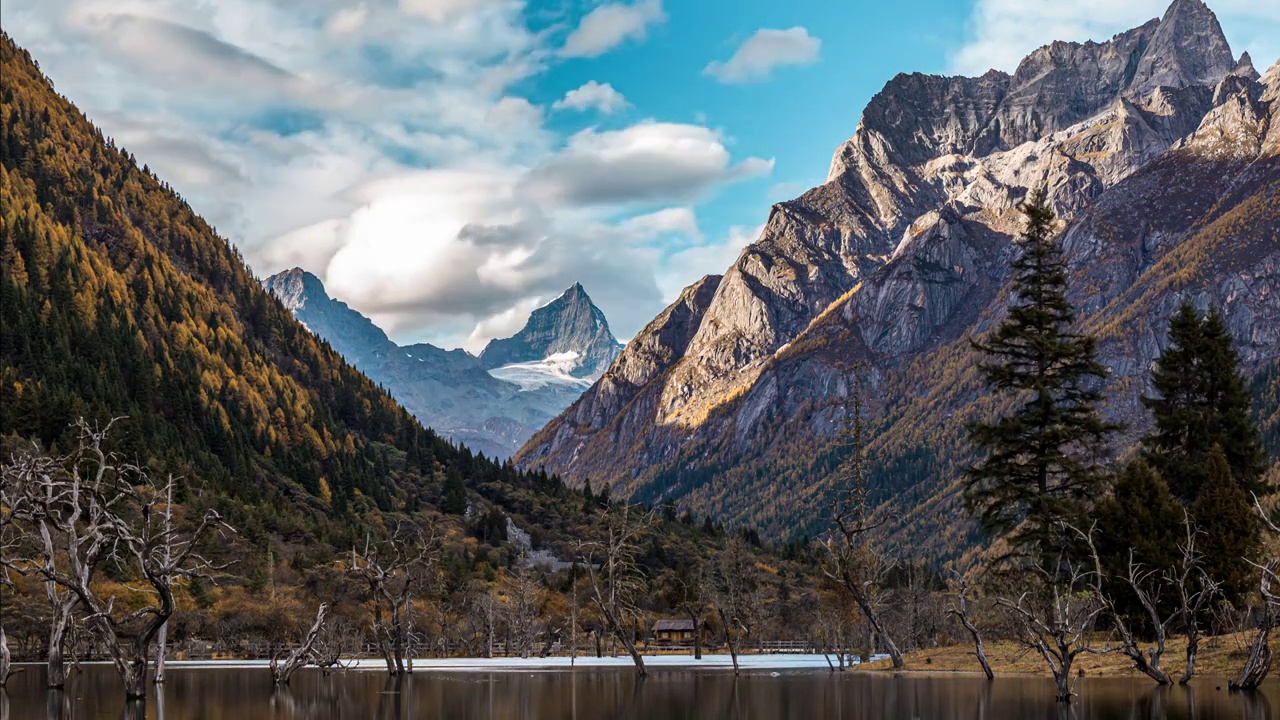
{"points": [[440, 11], [681, 269], [1005, 31], [600, 96], [646, 162], [610, 25], [680, 221], [387, 148], [763, 51]]}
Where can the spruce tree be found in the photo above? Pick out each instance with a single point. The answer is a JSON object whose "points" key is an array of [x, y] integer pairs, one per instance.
{"points": [[454, 501], [1229, 532], [1041, 466], [1201, 401], [1140, 516]]}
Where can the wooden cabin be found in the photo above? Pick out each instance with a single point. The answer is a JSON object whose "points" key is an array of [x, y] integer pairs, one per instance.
{"points": [[674, 630]]}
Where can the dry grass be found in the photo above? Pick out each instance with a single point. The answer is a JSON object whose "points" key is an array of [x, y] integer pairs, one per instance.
{"points": [[1220, 656]]}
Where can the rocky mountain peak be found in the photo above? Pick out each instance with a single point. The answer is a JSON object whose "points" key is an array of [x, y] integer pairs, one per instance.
{"points": [[353, 335], [570, 324], [295, 286], [1188, 48], [1244, 67]]}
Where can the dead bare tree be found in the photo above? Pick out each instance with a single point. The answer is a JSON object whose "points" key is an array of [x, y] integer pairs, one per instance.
{"points": [[47, 494], [1258, 664], [300, 655], [93, 507], [9, 544], [335, 639], [731, 585], [692, 589], [1196, 592], [1056, 618], [854, 561], [524, 593], [614, 572], [396, 571], [962, 590], [162, 638], [1146, 587]]}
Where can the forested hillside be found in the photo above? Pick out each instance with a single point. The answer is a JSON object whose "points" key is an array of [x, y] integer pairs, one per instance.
{"points": [[116, 299]]}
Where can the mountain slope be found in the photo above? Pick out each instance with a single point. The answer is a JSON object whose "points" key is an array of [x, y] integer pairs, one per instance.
{"points": [[117, 299], [492, 403], [1160, 156]]}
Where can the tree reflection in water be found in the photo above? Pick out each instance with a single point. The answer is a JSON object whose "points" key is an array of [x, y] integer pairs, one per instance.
{"points": [[242, 693]]}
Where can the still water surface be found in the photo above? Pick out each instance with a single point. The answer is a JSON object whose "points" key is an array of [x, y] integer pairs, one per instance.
{"points": [[246, 694]]}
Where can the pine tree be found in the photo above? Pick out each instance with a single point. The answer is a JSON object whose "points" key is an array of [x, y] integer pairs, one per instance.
{"points": [[1041, 464], [1202, 401], [1228, 526], [454, 501]]}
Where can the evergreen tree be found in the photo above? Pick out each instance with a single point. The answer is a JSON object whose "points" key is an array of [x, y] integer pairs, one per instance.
{"points": [[1041, 464], [1202, 402], [454, 501], [1228, 526], [1140, 516]]}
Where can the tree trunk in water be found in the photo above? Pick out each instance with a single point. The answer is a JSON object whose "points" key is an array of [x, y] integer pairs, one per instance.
{"points": [[1259, 663], [1063, 678], [5, 659], [1193, 648], [980, 648], [728, 640], [162, 647], [874, 619], [57, 677], [697, 637], [299, 657]]}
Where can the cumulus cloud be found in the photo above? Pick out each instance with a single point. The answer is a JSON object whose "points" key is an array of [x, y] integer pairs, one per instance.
{"points": [[1005, 31], [646, 162], [600, 96], [610, 25], [765, 50], [388, 148]]}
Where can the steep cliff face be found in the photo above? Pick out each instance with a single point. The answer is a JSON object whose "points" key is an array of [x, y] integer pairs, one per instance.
{"points": [[1159, 151], [492, 405]]}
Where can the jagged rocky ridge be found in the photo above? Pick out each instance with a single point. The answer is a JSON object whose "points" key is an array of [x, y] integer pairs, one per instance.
{"points": [[493, 402], [1159, 150]]}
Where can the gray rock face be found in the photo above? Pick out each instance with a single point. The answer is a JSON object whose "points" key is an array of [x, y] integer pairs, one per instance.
{"points": [[568, 324], [1159, 151], [491, 408]]}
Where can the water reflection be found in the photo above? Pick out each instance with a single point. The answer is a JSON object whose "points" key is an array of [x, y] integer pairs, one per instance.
{"points": [[239, 694]]}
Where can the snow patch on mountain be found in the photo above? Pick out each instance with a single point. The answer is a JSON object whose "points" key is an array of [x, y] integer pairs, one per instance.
{"points": [[555, 369]]}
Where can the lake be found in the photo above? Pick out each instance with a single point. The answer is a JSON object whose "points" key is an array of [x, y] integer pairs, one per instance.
{"points": [[245, 693]]}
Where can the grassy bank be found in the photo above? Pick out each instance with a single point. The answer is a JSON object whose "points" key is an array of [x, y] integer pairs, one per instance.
{"points": [[1220, 656]]}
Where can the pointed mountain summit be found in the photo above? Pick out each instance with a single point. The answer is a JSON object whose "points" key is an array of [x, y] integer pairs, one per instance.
{"points": [[492, 403], [570, 328], [353, 335], [1188, 48]]}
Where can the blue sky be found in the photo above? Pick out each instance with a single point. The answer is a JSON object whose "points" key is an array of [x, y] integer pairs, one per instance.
{"points": [[448, 165]]}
